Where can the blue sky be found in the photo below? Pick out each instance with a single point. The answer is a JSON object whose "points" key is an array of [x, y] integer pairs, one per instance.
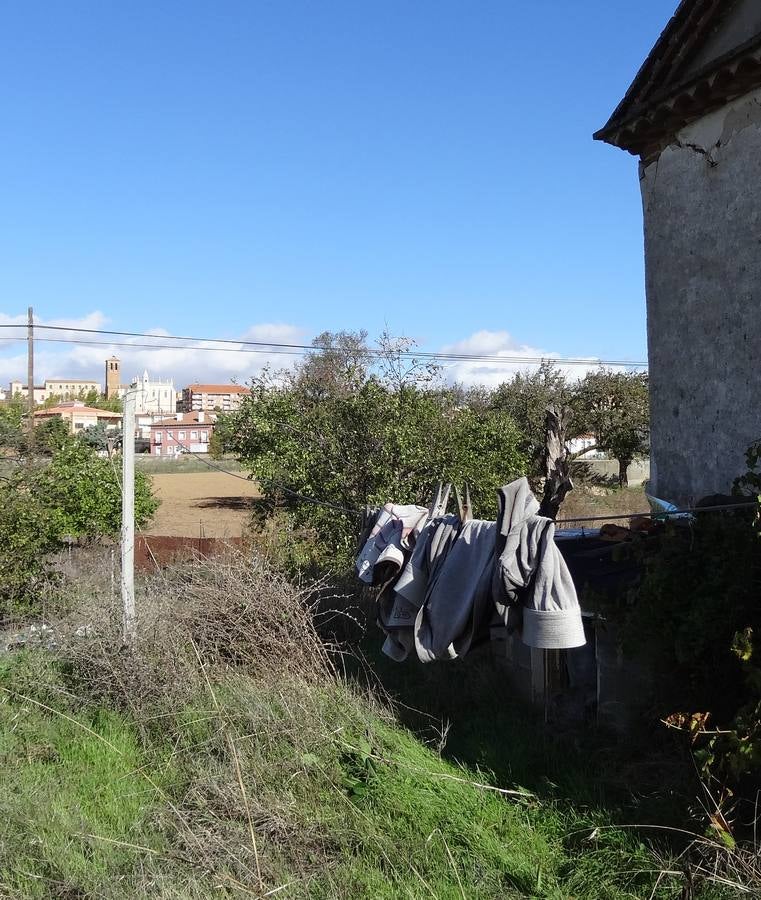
{"points": [[222, 168]]}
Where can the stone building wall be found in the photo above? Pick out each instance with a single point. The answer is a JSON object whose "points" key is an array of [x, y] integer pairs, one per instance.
{"points": [[702, 213]]}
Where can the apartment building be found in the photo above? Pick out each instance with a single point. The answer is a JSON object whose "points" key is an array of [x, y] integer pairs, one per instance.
{"points": [[63, 388], [211, 397]]}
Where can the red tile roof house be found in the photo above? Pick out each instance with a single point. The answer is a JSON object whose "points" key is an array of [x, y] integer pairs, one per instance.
{"points": [[184, 433], [78, 416]]}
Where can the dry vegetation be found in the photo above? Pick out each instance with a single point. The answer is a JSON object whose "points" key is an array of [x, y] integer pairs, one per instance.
{"points": [[221, 755]]}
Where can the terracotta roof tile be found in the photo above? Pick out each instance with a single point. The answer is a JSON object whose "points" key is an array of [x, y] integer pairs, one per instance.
{"points": [[218, 389], [190, 418], [89, 411]]}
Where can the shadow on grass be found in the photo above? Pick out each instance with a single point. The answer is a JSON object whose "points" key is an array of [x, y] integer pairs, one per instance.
{"points": [[469, 709]]}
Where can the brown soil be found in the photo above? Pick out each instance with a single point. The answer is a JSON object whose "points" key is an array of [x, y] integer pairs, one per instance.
{"points": [[587, 500], [202, 504]]}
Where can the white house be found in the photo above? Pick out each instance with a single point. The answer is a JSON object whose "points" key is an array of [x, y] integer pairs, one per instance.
{"points": [[154, 397]]}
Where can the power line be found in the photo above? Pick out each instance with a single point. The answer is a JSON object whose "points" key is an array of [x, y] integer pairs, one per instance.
{"points": [[725, 507], [129, 345], [274, 347]]}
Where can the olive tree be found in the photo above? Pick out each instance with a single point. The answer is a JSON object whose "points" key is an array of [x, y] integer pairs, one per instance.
{"points": [[377, 427], [615, 407]]}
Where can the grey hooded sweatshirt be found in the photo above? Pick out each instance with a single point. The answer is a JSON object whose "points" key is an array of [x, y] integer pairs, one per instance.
{"points": [[532, 587]]}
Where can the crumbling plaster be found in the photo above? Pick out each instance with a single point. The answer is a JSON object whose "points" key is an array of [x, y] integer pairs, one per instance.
{"points": [[702, 211]]}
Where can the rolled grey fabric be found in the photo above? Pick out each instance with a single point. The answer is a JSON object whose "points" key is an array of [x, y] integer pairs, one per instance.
{"points": [[391, 530]]}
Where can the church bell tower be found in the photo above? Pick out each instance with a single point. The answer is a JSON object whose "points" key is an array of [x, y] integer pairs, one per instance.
{"points": [[113, 377]]}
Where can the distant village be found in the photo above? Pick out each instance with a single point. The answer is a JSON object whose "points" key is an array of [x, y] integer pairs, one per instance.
{"points": [[168, 422]]}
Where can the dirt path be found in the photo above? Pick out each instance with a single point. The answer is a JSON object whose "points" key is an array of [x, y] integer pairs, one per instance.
{"points": [[202, 504]]}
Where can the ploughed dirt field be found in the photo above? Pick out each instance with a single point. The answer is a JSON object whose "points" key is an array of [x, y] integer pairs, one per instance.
{"points": [[202, 504]]}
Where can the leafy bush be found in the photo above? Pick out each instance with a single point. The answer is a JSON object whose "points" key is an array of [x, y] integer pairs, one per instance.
{"points": [[50, 435], [368, 445], [29, 532], [697, 617], [76, 494], [11, 418], [699, 589], [84, 491]]}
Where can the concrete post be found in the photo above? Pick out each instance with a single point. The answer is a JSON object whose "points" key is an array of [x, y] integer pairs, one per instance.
{"points": [[30, 380], [128, 516]]}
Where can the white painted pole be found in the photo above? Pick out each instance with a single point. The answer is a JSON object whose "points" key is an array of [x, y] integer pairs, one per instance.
{"points": [[30, 379], [128, 515]]}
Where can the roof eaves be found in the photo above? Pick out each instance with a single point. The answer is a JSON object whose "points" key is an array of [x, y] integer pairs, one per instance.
{"points": [[669, 110]]}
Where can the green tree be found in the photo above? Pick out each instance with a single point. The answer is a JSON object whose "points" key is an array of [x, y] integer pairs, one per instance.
{"points": [[353, 436], [222, 437], [83, 492], [615, 407], [29, 533], [50, 435], [99, 437], [11, 424], [52, 400], [525, 399], [99, 401], [339, 366], [76, 494]]}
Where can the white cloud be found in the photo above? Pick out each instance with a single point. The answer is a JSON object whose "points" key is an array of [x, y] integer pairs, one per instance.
{"points": [[215, 361], [208, 361], [500, 344]]}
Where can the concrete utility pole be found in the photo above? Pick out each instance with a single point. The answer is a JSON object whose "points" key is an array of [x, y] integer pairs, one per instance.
{"points": [[30, 378], [128, 516]]}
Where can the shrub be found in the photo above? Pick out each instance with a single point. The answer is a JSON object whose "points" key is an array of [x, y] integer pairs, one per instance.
{"points": [[369, 444], [29, 533], [84, 491], [258, 773], [76, 494]]}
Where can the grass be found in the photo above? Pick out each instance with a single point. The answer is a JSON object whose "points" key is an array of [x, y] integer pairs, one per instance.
{"points": [[69, 801], [345, 804], [221, 757], [187, 462]]}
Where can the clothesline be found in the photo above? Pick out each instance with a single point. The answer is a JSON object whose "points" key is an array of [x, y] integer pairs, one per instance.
{"points": [[572, 521], [653, 513]]}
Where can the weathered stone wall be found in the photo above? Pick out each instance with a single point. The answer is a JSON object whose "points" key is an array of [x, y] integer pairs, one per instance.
{"points": [[702, 210], [638, 472]]}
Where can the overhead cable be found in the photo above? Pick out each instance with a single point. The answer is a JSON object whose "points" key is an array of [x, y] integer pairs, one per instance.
{"points": [[275, 347]]}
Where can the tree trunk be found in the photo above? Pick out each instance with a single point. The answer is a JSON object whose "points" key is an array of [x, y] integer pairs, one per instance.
{"points": [[623, 472], [556, 461]]}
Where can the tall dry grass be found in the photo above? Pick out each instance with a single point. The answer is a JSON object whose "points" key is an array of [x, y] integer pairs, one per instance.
{"points": [[196, 620], [256, 754]]}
